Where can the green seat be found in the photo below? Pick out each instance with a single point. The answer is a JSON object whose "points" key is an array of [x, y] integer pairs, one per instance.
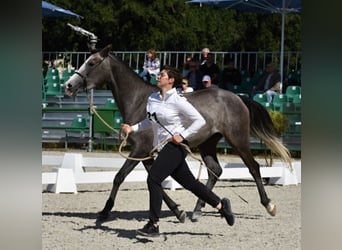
{"points": [[52, 79], [260, 98], [51, 72], [101, 131], [78, 124], [297, 100], [67, 73], [79, 130], [291, 91], [268, 105], [278, 101], [110, 104], [53, 89], [153, 80], [118, 120]]}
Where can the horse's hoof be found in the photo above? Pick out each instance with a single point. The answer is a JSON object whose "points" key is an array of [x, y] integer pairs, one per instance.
{"points": [[271, 209], [182, 216], [195, 216], [102, 216]]}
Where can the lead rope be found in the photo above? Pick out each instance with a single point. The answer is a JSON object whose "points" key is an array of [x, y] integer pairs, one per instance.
{"points": [[151, 154]]}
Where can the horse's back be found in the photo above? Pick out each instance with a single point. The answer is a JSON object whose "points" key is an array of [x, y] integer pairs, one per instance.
{"points": [[213, 102]]}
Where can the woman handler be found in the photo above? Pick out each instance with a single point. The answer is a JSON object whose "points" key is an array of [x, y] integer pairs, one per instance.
{"points": [[172, 116]]}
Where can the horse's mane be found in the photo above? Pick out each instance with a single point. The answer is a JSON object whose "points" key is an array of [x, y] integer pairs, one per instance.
{"points": [[127, 70]]}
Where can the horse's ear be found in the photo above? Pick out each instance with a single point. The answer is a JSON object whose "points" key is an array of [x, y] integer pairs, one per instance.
{"points": [[105, 51]]}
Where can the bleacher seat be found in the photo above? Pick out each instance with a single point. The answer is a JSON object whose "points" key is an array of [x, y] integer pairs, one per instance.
{"points": [[51, 72], [268, 105], [111, 104], [67, 73], [118, 120], [53, 88], [260, 98], [291, 91], [278, 101], [153, 80], [297, 100], [78, 131]]}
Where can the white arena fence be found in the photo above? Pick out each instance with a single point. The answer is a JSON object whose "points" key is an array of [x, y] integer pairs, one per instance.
{"points": [[70, 169], [250, 61]]}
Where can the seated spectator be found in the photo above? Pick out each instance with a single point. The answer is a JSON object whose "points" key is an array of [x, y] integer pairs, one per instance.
{"points": [[210, 68], [151, 66], [206, 81], [270, 83], [185, 86], [230, 76]]}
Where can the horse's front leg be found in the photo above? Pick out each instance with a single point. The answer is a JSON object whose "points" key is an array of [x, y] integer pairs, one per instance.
{"points": [[128, 166]]}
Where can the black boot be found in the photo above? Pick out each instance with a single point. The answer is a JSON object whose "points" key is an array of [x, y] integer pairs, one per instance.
{"points": [[226, 211], [149, 230]]}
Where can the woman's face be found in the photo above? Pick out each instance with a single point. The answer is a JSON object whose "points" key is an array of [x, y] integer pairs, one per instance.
{"points": [[149, 54], [163, 80]]}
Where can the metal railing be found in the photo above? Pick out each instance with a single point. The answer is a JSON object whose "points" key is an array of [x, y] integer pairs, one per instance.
{"points": [[249, 61]]}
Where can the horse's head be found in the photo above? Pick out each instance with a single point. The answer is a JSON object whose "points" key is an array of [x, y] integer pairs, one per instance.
{"points": [[90, 74]]}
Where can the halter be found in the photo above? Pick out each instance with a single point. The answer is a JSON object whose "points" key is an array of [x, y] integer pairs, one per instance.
{"points": [[84, 77]]}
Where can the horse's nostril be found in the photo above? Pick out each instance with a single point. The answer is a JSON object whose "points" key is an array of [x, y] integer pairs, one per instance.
{"points": [[69, 85]]}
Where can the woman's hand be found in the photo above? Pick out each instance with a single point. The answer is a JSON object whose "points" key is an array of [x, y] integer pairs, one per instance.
{"points": [[177, 139], [126, 128]]}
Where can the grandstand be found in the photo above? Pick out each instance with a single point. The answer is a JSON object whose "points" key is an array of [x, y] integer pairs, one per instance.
{"points": [[66, 120]]}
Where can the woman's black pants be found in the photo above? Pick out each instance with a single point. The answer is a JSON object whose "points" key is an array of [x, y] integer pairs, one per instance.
{"points": [[171, 161]]}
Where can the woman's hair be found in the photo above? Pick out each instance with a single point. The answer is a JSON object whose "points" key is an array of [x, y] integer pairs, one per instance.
{"points": [[174, 73], [153, 52]]}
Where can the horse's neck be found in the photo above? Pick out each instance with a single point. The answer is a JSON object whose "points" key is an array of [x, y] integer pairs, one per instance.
{"points": [[130, 92]]}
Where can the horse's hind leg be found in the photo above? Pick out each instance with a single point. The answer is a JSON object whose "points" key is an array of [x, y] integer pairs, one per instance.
{"points": [[208, 154], [254, 169]]}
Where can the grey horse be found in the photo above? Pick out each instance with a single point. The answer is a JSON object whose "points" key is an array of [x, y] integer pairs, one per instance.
{"points": [[227, 115]]}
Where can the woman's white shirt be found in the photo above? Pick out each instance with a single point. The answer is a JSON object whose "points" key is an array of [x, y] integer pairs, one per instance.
{"points": [[174, 113]]}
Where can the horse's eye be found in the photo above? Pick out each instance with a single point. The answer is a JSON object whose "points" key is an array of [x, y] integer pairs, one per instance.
{"points": [[91, 64]]}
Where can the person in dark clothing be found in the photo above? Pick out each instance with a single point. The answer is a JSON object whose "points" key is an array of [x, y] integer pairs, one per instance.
{"points": [[230, 76], [211, 68], [270, 83]]}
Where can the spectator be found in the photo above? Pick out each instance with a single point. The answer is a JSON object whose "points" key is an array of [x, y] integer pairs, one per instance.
{"points": [[194, 76], [230, 76], [186, 67], [206, 81], [210, 68], [270, 83], [185, 86], [205, 52], [151, 66]]}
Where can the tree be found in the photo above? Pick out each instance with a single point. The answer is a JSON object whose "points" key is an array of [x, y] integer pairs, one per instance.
{"points": [[170, 25]]}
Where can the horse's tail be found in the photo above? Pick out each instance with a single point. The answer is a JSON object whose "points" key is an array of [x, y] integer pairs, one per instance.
{"points": [[262, 126]]}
